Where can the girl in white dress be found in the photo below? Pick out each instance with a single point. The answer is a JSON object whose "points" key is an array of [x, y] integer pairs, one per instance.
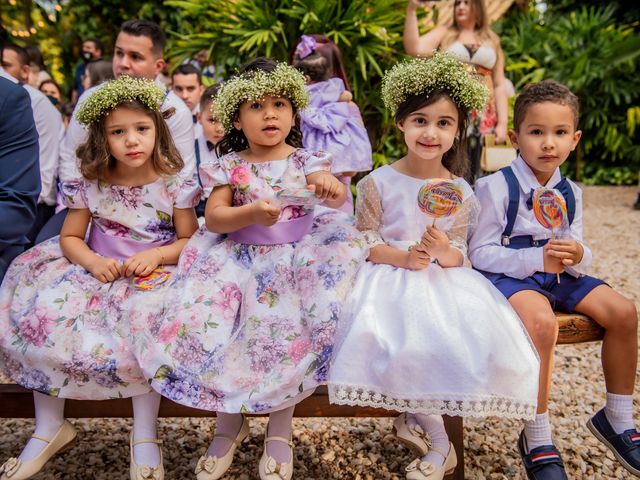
{"points": [[428, 335]]}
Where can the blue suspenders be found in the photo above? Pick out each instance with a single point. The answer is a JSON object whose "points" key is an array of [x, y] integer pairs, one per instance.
{"points": [[512, 209]]}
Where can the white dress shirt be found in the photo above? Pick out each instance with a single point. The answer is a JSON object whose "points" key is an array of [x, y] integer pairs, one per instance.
{"points": [[180, 125], [50, 129], [486, 251], [206, 156]]}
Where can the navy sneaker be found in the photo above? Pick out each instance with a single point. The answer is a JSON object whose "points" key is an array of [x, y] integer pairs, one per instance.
{"points": [[541, 463], [625, 446]]}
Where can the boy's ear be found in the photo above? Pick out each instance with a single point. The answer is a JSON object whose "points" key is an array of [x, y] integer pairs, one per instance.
{"points": [[513, 136], [576, 138]]}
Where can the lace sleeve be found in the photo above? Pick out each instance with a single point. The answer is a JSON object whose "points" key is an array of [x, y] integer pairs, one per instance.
{"points": [[464, 223], [369, 212]]}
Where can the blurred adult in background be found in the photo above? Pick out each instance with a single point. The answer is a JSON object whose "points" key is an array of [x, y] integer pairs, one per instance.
{"points": [[470, 39], [92, 50], [52, 90], [49, 127], [19, 178], [97, 72], [186, 83], [38, 72]]}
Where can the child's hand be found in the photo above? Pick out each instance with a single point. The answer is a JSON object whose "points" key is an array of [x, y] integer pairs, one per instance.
{"points": [[327, 187], [142, 263], [417, 258], [345, 96], [435, 242], [552, 264], [265, 212], [105, 269], [568, 251]]}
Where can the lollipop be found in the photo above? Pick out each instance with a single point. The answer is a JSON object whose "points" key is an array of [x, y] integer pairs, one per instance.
{"points": [[550, 210], [297, 196], [439, 198], [151, 281]]}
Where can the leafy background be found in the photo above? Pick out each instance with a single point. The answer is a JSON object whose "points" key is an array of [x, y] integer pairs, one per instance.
{"points": [[591, 46]]}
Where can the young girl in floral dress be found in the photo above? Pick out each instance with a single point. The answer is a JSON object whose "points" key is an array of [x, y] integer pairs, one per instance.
{"points": [[332, 122], [61, 303], [429, 336], [250, 321]]}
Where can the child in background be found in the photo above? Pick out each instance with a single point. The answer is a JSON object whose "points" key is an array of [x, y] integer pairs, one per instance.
{"points": [[61, 303], [249, 321], [514, 251], [331, 122], [212, 133], [428, 336]]}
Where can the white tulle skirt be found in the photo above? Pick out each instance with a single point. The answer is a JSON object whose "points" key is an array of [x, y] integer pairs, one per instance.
{"points": [[438, 340]]}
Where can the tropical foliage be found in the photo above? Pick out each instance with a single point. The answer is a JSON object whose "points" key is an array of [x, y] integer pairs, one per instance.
{"points": [[368, 33], [598, 59]]}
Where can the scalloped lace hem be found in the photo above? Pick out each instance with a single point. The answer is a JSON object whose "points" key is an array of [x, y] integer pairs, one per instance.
{"points": [[479, 406]]}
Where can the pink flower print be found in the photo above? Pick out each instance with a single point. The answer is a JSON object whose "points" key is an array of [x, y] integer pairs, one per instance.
{"points": [[299, 348], [240, 176], [488, 121], [36, 329], [189, 255], [114, 228], [169, 332], [229, 300], [94, 302], [29, 255]]}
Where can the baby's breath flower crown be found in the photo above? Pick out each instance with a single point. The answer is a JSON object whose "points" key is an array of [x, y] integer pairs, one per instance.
{"points": [[113, 93], [285, 81], [421, 76]]}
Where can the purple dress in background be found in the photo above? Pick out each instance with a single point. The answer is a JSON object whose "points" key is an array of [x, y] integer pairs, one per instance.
{"points": [[335, 127]]}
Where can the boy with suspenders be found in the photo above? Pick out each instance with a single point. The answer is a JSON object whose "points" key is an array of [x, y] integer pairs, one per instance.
{"points": [[513, 250]]}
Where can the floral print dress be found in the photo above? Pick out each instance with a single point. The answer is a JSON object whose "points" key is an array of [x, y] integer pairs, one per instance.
{"points": [[60, 328], [251, 328]]}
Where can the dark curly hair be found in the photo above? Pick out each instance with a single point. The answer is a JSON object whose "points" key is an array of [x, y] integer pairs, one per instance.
{"points": [[235, 140], [96, 160], [455, 159], [545, 91]]}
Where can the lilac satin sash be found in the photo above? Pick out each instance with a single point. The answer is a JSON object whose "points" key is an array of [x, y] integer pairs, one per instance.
{"points": [[119, 248], [281, 232]]}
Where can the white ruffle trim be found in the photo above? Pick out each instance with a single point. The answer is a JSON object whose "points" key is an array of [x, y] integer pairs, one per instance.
{"points": [[479, 406]]}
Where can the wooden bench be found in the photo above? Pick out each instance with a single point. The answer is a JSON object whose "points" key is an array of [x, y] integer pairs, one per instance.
{"points": [[17, 402]]}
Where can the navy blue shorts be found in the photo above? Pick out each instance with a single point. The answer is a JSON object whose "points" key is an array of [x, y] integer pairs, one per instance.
{"points": [[563, 296]]}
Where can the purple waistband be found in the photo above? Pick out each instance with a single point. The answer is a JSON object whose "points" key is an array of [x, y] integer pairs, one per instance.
{"points": [[281, 232], [119, 248]]}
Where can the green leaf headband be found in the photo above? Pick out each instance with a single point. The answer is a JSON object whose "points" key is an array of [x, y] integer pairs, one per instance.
{"points": [[115, 92], [285, 81], [421, 76]]}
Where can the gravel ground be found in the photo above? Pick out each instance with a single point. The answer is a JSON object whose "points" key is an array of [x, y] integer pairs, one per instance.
{"points": [[363, 448]]}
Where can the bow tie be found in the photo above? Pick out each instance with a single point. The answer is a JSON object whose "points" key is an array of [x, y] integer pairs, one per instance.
{"points": [[195, 118], [210, 146], [563, 186]]}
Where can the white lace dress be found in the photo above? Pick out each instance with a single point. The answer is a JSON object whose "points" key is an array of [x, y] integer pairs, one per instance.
{"points": [[438, 340]]}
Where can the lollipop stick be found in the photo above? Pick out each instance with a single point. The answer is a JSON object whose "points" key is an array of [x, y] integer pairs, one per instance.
{"points": [[434, 223], [553, 237]]}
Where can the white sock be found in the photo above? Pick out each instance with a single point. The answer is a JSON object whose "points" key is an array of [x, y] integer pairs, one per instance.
{"points": [[145, 426], [280, 426], [49, 419], [226, 424], [433, 425], [619, 412], [538, 431]]}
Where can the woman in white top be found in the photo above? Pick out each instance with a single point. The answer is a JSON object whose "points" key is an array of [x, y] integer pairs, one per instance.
{"points": [[471, 40]]}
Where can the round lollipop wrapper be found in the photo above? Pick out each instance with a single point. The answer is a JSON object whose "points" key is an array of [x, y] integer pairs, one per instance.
{"points": [[440, 198], [549, 208], [151, 281]]}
